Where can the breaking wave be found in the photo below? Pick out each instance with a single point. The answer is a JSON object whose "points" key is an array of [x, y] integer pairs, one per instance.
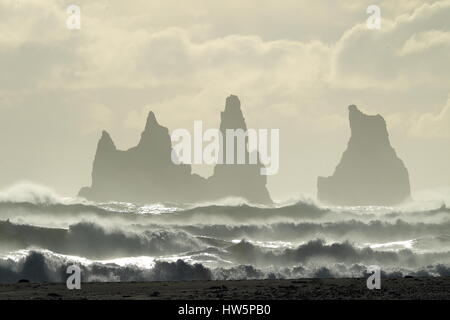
{"points": [[45, 266], [41, 233]]}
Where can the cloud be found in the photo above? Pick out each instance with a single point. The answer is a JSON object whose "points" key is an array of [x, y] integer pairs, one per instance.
{"points": [[433, 125], [301, 61], [406, 53], [425, 41]]}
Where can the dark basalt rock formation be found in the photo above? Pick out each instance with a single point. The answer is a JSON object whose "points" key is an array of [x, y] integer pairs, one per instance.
{"points": [[242, 180], [370, 173], [146, 173]]}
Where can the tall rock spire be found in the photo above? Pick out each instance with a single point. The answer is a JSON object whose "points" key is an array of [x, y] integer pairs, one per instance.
{"points": [[106, 142], [151, 121], [369, 173], [238, 180], [146, 173]]}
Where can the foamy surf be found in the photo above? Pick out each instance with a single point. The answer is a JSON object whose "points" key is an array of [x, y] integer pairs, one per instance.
{"points": [[121, 241]]}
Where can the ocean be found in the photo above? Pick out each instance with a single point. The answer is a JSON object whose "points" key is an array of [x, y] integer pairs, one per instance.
{"points": [[41, 234]]}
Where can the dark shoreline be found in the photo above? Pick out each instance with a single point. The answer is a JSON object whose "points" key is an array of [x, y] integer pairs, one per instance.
{"points": [[298, 289]]}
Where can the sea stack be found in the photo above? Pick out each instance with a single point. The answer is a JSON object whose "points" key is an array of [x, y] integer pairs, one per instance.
{"points": [[370, 172], [238, 180], [146, 173]]}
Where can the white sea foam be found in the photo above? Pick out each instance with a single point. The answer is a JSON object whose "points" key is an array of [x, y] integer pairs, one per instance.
{"points": [[231, 239]]}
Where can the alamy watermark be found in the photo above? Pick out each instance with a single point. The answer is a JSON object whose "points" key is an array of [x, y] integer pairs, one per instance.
{"points": [[235, 147], [374, 280], [74, 280], [73, 21], [374, 20]]}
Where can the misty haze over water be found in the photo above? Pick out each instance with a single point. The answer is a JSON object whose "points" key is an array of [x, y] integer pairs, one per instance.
{"points": [[41, 234], [360, 165]]}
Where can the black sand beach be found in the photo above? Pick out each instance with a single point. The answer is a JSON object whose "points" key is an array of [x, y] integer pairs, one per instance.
{"points": [[301, 289]]}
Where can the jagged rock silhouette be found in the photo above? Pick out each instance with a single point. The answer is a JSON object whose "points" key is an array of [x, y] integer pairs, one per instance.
{"points": [[146, 173], [238, 180], [369, 173]]}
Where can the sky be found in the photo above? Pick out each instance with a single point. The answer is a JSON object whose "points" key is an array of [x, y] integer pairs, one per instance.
{"points": [[295, 64]]}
